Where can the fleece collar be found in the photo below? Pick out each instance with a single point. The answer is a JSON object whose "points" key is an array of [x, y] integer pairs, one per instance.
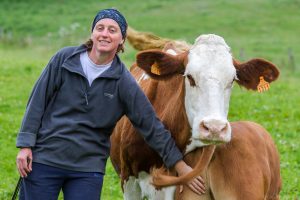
{"points": [[73, 64]]}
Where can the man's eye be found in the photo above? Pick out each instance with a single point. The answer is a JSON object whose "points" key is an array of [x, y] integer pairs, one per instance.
{"points": [[112, 30]]}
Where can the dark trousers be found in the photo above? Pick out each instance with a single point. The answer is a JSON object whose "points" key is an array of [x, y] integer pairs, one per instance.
{"points": [[45, 183]]}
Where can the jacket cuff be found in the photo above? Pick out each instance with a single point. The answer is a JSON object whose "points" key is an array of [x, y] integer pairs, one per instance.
{"points": [[26, 139], [173, 157]]}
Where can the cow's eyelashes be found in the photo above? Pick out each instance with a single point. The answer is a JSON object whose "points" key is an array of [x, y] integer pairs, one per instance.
{"points": [[233, 81], [230, 84], [191, 80]]}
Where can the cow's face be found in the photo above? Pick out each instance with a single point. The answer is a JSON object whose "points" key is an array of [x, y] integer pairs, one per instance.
{"points": [[209, 78], [209, 71]]}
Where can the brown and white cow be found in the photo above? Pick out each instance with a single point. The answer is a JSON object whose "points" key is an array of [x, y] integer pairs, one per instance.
{"points": [[190, 93]]}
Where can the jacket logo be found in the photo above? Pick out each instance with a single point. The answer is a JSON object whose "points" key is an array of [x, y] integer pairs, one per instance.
{"points": [[109, 95]]}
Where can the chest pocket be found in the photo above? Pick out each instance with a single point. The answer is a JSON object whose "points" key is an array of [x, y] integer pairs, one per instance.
{"points": [[110, 107], [109, 90], [108, 95]]}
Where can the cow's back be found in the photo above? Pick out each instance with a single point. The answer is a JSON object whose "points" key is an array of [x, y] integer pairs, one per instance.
{"points": [[246, 168]]}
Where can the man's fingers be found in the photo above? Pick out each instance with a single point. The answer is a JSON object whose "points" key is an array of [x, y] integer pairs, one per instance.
{"points": [[200, 179], [20, 172], [198, 188], [26, 167], [200, 183], [21, 169], [180, 188], [24, 161], [197, 185], [192, 187], [29, 164]]}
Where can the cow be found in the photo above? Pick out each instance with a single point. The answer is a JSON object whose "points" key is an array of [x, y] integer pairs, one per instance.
{"points": [[189, 87]]}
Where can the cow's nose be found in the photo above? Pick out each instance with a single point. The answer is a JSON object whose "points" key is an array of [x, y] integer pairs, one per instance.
{"points": [[213, 128]]}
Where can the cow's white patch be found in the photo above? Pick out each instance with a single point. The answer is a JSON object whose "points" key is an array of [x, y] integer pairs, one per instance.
{"points": [[210, 64], [144, 76], [171, 51], [141, 187], [193, 145], [132, 190]]}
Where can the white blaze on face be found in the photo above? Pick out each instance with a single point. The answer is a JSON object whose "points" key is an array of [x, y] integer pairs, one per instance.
{"points": [[210, 66]]}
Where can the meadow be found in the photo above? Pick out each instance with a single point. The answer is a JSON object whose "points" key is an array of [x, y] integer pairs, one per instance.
{"points": [[32, 31]]}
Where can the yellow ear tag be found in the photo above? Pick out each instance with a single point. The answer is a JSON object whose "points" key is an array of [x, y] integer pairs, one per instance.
{"points": [[155, 69], [262, 85]]}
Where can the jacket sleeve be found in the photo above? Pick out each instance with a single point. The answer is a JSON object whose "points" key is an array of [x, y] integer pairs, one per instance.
{"points": [[143, 117], [41, 94]]}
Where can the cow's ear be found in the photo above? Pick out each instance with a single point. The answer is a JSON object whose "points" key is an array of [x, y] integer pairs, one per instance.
{"points": [[254, 73], [160, 64]]}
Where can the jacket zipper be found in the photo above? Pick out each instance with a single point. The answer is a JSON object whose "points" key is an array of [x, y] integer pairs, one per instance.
{"points": [[84, 89], [86, 99]]}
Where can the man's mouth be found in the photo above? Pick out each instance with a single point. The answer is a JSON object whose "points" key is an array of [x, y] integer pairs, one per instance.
{"points": [[104, 42]]}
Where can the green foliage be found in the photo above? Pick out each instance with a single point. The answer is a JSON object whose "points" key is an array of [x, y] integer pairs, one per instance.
{"points": [[32, 31]]}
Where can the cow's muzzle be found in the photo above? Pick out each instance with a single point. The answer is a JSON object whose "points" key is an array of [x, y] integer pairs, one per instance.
{"points": [[214, 131]]}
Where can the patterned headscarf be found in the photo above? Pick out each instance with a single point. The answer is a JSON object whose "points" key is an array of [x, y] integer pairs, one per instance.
{"points": [[112, 14]]}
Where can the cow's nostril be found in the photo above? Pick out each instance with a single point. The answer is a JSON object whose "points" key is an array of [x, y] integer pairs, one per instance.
{"points": [[204, 126], [224, 129], [204, 130]]}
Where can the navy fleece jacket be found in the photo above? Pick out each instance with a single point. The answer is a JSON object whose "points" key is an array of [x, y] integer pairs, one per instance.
{"points": [[68, 123]]}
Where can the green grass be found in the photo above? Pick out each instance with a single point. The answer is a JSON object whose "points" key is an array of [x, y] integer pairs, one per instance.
{"points": [[31, 31]]}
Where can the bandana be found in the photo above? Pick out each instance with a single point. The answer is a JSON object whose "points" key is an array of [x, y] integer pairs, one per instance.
{"points": [[114, 15]]}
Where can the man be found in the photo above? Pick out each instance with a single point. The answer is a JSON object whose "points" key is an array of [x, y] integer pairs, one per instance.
{"points": [[74, 106]]}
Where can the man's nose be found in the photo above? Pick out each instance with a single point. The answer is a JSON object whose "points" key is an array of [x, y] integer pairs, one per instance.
{"points": [[104, 33]]}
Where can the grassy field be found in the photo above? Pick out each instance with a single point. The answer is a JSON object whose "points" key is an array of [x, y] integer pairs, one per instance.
{"points": [[31, 31]]}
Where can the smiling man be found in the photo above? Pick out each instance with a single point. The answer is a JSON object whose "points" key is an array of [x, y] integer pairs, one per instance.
{"points": [[82, 93]]}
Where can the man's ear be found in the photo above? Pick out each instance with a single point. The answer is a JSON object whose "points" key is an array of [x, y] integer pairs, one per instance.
{"points": [[159, 64], [254, 72]]}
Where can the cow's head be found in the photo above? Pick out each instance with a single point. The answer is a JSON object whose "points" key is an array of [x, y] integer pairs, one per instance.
{"points": [[209, 71]]}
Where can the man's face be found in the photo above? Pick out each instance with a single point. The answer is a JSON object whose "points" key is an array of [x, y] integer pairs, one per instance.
{"points": [[106, 36]]}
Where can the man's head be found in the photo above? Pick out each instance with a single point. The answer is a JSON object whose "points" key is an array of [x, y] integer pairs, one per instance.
{"points": [[114, 15], [110, 26]]}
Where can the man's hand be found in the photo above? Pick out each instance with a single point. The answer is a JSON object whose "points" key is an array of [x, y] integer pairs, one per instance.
{"points": [[24, 161], [197, 184]]}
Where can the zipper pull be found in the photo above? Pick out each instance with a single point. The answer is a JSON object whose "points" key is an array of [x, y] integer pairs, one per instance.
{"points": [[86, 99]]}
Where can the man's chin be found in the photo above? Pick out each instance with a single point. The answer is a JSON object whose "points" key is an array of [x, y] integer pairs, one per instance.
{"points": [[104, 49]]}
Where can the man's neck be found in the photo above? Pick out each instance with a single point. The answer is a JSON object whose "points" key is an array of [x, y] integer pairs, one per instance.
{"points": [[100, 58]]}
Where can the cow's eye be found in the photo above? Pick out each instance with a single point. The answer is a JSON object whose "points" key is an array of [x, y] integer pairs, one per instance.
{"points": [[191, 80]]}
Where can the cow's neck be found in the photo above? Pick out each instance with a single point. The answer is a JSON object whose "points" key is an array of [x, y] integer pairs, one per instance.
{"points": [[167, 98]]}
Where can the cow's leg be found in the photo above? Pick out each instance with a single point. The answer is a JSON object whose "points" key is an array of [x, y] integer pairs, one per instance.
{"points": [[148, 190], [132, 190]]}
